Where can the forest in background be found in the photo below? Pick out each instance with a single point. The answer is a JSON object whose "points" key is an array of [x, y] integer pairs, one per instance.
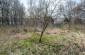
{"points": [[47, 27]]}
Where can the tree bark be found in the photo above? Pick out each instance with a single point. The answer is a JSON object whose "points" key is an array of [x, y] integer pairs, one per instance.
{"points": [[44, 28]]}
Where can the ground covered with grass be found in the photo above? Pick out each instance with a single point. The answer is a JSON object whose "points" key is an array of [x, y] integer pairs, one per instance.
{"points": [[55, 41]]}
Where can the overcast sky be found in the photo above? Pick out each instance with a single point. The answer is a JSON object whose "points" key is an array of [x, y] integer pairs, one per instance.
{"points": [[26, 1]]}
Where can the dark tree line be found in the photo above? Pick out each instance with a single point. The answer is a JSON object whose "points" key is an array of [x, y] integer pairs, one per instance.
{"points": [[73, 12], [11, 12]]}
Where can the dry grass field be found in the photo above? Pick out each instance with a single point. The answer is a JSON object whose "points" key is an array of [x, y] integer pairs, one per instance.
{"points": [[55, 41]]}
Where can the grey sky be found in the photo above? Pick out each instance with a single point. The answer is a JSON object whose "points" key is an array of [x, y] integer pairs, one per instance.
{"points": [[26, 1]]}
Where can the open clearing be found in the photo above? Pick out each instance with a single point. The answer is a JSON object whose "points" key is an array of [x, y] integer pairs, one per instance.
{"points": [[55, 41]]}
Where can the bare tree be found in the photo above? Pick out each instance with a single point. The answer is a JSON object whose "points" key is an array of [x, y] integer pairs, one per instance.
{"points": [[4, 12], [16, 12], [67, 11], [41, 12], [48, 15]]}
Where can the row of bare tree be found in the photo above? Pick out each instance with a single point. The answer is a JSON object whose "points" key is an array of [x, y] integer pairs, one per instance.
{"points": [[73, 12], [11, 12], [42, 12]]}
